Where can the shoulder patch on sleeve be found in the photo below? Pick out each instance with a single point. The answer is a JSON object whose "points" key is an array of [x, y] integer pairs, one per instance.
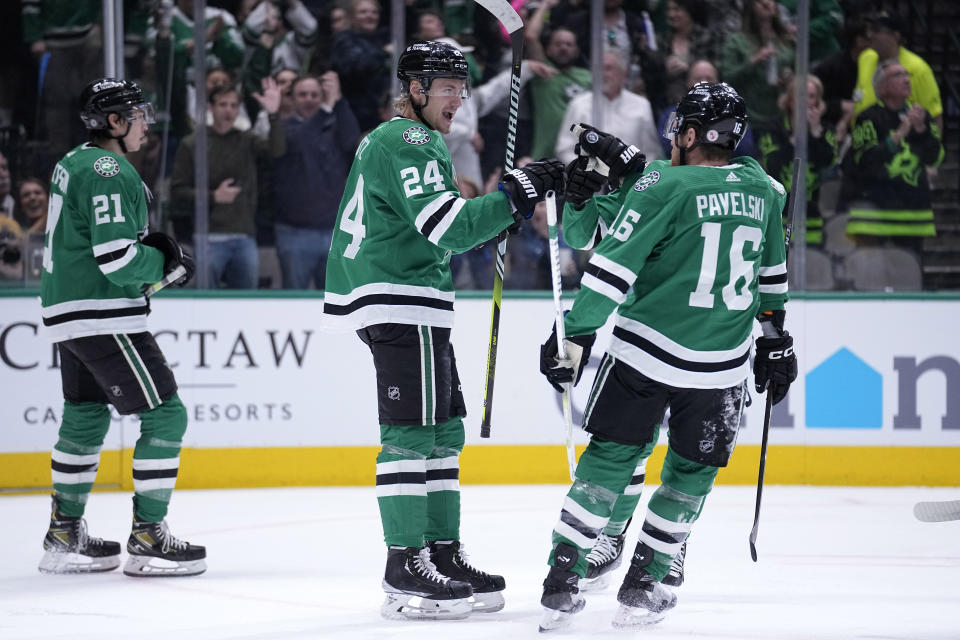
{"points": [[647, 181], [776, 185], [416, 135], [107, 166]]}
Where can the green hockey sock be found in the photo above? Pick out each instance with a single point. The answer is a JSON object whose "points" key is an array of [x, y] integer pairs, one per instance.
{"points": [[76, 455], [156, 459], [626, 503], [402, 483], [604, 470], [443, 482], [673, 509]]}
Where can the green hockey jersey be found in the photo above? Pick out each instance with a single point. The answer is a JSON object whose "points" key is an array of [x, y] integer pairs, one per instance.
{"points": [[93, 264], [400, 218], [688, 256]]}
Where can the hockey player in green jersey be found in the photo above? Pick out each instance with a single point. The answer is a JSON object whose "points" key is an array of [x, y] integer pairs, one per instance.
{"points": [[97, 260], [388, 277], [689, 253]]}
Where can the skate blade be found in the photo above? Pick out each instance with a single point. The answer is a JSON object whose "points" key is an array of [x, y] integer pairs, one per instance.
{"points": [[636, 617], [401, 606], [150, 567], [553, 619], [57, 562], [490, 602], [595, 584]]}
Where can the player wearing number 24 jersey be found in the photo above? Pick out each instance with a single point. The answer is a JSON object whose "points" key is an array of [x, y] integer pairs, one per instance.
{"points": [[388, 277], [686, 254]]}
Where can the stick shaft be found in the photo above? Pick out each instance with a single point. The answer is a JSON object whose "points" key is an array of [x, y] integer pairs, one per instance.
{"points": [[516, 41]]}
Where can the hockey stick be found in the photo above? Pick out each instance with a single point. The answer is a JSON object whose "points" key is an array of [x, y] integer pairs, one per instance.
{"points": [[944, 511], [508, 17], [167, 280], [561, 336], [795, 199]]}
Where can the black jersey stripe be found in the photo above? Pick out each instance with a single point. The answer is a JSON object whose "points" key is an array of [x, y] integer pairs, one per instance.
{"points": [[153, 474], [72, 468], [437, 217], [403, 477], [391, 299], [614, 281], [104, 258], [95, 314], [443, 474], [780, 278], [679, 363]]}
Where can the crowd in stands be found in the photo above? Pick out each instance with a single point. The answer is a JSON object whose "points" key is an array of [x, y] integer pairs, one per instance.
{"points": [[293, 85]]}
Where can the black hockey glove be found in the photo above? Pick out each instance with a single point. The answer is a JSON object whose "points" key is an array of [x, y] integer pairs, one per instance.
{"points": [[775, 365], [611, 150], [559, 371], [173, 255], [528, 185], [582, 183]]}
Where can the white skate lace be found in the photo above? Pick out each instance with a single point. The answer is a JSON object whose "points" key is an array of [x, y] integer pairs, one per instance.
{"points": [[604, 551], [427, 569], [85, 540], [676, 567], [465, 562], [169, 540]]}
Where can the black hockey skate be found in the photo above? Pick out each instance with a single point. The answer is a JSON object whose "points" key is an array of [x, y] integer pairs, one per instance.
{"points": [[155, 553], [602, 560], [451, 560], [674, 577], [417, 591], [643, 599], [561, 593], [69, 549]]}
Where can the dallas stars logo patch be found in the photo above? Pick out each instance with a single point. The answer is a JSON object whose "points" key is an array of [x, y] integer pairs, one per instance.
{"points": [[647, 181], [416, 135], [107, 167]]}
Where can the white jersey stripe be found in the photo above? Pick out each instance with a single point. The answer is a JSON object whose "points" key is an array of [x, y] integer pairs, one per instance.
{"points": [[669, 526], [590, 281], [450, 462], [774, 270], [448, 219], [610, 266], [153, 484], [387, 288], [110, 247], [120, 262], [431, 209]]}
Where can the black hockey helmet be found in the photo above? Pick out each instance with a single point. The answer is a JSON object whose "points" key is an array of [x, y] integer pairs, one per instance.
{"points": [[716, 110], [431, 59], [111, 95]]}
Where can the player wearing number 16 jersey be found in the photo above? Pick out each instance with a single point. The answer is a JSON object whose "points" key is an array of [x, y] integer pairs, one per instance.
{"points": [[689, 253], [388, 277]]}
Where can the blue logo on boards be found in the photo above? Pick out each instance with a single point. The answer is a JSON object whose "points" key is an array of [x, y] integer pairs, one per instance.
{"points": [[844, 392]]}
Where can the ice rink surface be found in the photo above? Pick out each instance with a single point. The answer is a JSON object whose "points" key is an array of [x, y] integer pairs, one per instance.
{"points": [[293, 564]]}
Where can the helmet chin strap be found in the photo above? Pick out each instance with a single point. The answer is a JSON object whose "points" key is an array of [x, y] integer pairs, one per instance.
{"points": [[685, 150], [418, 108]]}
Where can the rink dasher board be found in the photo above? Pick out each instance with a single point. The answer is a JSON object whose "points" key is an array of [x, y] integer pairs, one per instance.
{"points": [[274, 398]]}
